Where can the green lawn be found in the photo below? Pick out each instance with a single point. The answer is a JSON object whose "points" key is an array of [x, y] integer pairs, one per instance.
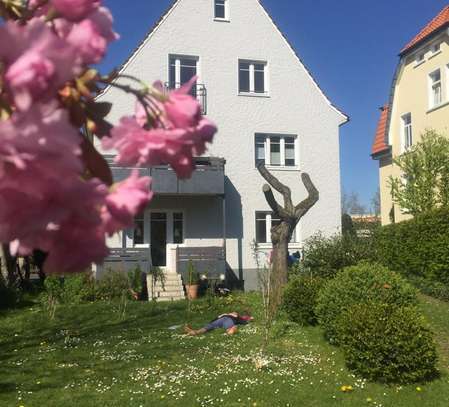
{"points": [[93, 355]]}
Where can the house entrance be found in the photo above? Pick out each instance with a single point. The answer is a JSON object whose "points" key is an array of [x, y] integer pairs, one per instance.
{"points": [[158, 244]]}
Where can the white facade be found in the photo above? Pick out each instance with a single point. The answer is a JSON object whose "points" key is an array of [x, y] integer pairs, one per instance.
{"points": [[293, 106]]}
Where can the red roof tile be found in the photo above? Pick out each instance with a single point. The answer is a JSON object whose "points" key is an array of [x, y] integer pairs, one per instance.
{"points": [[380, 143], [437, 23]]}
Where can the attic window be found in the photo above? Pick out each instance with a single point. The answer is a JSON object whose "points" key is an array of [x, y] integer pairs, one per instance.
{"points": [[436, 48], [221, 10]]}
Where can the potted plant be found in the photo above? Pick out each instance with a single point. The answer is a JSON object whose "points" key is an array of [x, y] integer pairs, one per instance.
{"points": [[192, 284]]}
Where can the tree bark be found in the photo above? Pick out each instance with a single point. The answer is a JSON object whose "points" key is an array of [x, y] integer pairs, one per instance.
{"points": [[289, 215]]}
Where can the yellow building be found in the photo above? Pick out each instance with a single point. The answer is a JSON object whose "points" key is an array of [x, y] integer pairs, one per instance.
{"points": [[419, 100]]}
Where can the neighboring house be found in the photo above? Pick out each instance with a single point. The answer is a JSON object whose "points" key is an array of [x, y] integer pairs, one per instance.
{"points": [[419, 100], [267, 108]]}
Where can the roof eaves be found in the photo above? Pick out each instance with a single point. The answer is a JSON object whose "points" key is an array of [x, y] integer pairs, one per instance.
{"points": [[409, 49]]}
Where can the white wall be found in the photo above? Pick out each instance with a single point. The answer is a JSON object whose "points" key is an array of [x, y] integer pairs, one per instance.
{"points": [[295, 106]]}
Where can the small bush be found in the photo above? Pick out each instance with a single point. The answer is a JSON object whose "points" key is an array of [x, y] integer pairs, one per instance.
{"points": [[387, 343], [300, 299], [361, 284], [113, 285], [9, 297], [431, 288], [325, 257]]}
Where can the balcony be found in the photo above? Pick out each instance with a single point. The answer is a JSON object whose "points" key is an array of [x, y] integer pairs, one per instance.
{"points": [[198, 91], [207, 179]]}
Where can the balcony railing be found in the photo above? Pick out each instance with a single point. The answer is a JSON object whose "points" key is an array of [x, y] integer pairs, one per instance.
{"points": [[207, 179], [198, 91]]}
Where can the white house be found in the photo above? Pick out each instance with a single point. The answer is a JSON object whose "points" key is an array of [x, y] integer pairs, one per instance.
{"points": [[267, 106]]}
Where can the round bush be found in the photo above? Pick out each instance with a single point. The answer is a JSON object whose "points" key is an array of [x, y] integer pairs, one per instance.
{"points": [[387, 343], [300, 298], [360, 284]]}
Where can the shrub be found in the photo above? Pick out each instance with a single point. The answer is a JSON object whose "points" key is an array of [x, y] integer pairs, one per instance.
{"points": [[300, 297], [9, 297], [360, 284], [417, 247], [113, 285], [325, 257], [387, 343], [432, 288]]}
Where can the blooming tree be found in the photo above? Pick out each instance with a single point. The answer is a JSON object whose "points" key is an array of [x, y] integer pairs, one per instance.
{"points": [[56, 191]]}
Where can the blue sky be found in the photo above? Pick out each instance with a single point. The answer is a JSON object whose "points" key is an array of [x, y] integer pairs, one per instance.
{"points": [[350, 46]]}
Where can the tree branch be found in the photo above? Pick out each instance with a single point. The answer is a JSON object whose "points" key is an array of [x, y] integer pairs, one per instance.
{"points": [[278, 186], [303, 207], [276, 208]]}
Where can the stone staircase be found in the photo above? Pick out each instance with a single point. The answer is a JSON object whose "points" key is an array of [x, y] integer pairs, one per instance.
{"points": [[171, 290]]}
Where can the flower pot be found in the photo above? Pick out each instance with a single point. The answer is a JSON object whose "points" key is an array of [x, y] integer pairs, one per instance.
{"points": [[192, 291]]}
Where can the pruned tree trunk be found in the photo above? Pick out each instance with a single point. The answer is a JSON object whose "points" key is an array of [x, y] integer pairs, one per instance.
{"points": [[289, 215]]}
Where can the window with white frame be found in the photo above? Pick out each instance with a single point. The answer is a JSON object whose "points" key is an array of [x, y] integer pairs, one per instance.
{"points": [[253, 77], [420, 56], [181, 70], [275, 150], [264, 222], [139, 230], [436, 48], [436, 96], [407, 131], [221, 9]]}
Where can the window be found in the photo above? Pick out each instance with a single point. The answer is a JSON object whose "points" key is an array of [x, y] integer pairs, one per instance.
{"points": [[264, 222], [253, 77], [138, 235], [407, 132], [181, 70], [420, 58], [435, 88], [276, 150], [178, 228], [436, 48], [221, 9]]}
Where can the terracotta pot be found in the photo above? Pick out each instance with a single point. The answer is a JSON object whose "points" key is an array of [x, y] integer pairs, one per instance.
{"points": [[192, 291]]}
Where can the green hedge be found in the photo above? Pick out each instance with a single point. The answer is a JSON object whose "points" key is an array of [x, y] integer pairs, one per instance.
{"points": [[387, 343], [417, 247], [361, 284]]}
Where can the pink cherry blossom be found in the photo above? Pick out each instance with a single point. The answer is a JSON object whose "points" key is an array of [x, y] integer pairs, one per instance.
{"points": [[126, 200], [179, 134], [75, 10], [90, 37], [37, 61], [87, 40]]}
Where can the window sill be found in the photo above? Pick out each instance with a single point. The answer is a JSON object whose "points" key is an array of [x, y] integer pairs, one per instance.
{"points": [[293, 245], [435, 54], [282, 168], [417, 64], [222, 20], [441, 105], [254, 95]]}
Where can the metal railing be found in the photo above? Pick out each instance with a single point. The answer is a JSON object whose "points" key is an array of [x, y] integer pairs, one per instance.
{"points": [[198, 91]]}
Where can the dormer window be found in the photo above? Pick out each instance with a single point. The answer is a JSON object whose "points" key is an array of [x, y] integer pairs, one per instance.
{"points": [[221, 10]]}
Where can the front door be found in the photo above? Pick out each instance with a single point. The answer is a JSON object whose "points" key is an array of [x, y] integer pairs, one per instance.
{"points": [[158, 244]]}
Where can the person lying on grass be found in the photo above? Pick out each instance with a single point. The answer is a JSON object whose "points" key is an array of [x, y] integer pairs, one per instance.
{"points": [[227, 322]]}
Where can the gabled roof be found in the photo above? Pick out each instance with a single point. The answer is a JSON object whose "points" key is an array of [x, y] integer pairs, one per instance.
{"points": [[173, 5], [440, 22], [380, 144]]}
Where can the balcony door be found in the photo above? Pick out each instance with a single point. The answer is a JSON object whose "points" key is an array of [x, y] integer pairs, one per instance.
{"points": [[181, 70], [158, 242]]}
